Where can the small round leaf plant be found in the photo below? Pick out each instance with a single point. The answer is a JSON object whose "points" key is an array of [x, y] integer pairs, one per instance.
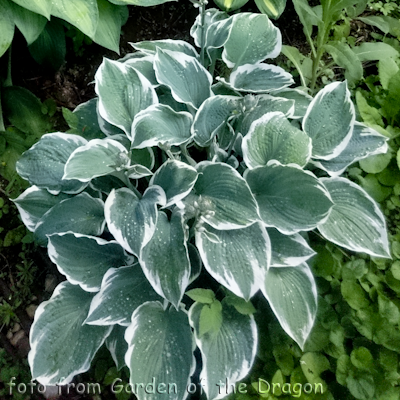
{"points": [[180, 183]]}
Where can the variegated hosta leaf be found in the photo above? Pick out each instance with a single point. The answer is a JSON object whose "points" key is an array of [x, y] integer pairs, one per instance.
{"points": [[165, 259], [195, 263], [143, 157], [289, 198], [228, 352], [123, 92], [117, 346], [176, 178], [122, 291], [33, 203], [145, 66], [292, 295], [84, 259], [61, 345], [212, 114], [150, 46], [230, 5], [273, 137], [160, 124], [160, 349], [216, 36], [43, 164], [97, 158], [265, 103], [132, 221], [252, 39], [211, 16], [301, 100], [225, 200], [329, 121], [138, 171], [364, 142], [236, 258], [80, 214], [288, 250], [189, 81], [356, 222], [273, 8], [260, 78]]}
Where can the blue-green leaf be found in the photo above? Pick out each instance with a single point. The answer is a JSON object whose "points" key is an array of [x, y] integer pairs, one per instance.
{"points": [[160, 350], [150, 46], [329, 121], [43, 164], [292, 295], [236, 258], [356, 222], [289, 198], [123, 92], [61, 345], [227, 352], [160, 124], [165, 259], [225, 200], [132, 221], [84, 259], [122, 290], [189, 81]]}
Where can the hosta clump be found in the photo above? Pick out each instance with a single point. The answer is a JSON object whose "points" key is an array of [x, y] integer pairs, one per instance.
{"points": [[177, 176]]}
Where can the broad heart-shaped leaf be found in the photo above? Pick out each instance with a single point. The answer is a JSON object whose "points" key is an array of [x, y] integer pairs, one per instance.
{"points": [[97, 158], [160, 124], [43, 164], [80, 214], [211, 115], [61, 346], [33, 203], [165, 259], [292, 295], [364, 142], [42, 7], [150, 46], [117, 346], [83, 14], [132, 221], [176, 178], [288, 250], [123, 92], [108, 29], [356, 222], [84, 259], [273, 137], [225, 200], [264, 103], [236, 258], [289, 198], [252, 38], [227, 354], [260, 78], [329, 121], [122, 291], [29, 23], [160, 351], [189, 81]]}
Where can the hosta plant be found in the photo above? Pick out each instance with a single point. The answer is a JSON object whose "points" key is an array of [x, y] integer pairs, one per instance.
{"points": [[183, 196]]}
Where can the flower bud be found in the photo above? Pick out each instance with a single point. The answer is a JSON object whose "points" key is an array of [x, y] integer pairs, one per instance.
{"points": [[230, 5]]}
